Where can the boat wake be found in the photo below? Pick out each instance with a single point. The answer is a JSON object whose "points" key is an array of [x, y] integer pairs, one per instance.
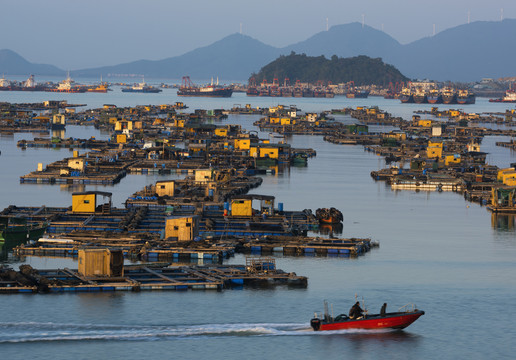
{"points": [[25, 332]]}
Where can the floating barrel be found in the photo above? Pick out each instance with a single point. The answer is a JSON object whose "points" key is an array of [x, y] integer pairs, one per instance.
{"points": [[237, 281]]}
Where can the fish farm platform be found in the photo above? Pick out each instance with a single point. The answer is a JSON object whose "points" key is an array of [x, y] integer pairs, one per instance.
{"points": [[259, 272]]}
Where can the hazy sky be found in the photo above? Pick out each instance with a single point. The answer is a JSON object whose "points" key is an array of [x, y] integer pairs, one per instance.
{"points": [[74, 34]]}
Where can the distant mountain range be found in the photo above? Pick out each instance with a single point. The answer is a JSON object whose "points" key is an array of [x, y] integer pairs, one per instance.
{"points": [[464, 53], [13, 64]]}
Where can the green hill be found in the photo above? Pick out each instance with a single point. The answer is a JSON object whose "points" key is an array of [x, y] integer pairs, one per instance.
{"points": [[363, 70]]}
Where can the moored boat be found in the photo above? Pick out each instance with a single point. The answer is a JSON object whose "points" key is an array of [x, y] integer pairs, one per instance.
{"points": [[213, 90], [15, 230], [434, 97], [329, 216], [307, 92], [465, 97], [420, 96], [300, 160], [510, 97], [406, 96], [28, 85], [394, 320], [263, 91], [67, 86], [252, 91], [357, 94], [274, 91], [449, 96], [142, 88], [4, 84], [101, 88]]}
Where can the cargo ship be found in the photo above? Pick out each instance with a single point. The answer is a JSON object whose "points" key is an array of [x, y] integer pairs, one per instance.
{"points": [[420, 96], [465, 97], [102, 88], [264, 91], [406, 96], [141, 88], [252, 91], [68, 86], [449, 95], [286, 91], [357, 94], [510, 97], [307, 92], [28, 85], [434, 97], [4, 84], [353, 92], [213, 90], [274, 91]]}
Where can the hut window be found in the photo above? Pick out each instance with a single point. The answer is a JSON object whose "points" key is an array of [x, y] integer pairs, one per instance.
{"points": [[188, 225], [176, 227], [86, 201], [162, 187]]}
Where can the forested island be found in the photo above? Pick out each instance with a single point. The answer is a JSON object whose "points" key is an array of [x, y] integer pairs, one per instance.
{"points": [[362, 70]]}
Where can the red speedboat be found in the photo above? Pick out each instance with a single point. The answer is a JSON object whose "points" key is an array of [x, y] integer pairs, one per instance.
{"points": [[394, 320]]}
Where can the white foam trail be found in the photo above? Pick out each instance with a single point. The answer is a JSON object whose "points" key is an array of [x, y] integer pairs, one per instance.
{"points": [[50, 332]]}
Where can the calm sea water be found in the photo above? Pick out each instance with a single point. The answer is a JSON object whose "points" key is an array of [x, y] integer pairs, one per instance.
{"points": [[451, 258]]}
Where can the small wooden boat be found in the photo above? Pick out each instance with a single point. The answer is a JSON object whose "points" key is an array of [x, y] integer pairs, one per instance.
{"points": [[329, 216], [394, 320], [16, 230]]}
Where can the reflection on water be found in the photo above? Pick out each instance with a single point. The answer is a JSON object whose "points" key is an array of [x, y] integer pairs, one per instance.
{"points": [[58, 133], [365, 340], [331, 229], [400, 336], [7, 135], [505, 222], [8, 245], [72, 187]]}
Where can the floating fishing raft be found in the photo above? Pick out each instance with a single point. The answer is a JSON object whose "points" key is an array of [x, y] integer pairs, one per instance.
{"points": [[258, 272]]}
